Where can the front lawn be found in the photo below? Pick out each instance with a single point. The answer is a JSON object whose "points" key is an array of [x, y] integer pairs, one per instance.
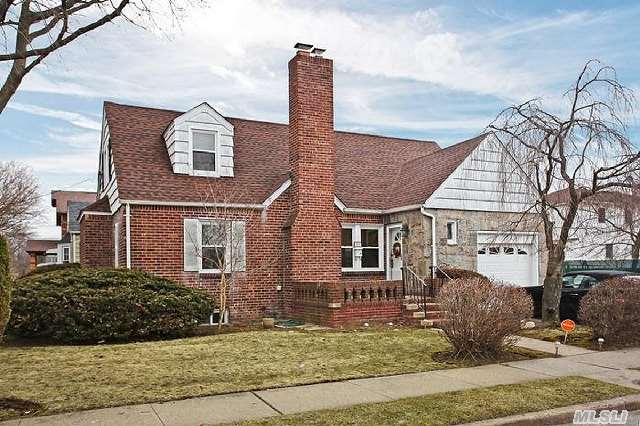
{"points": [[462, 406], [67, 378], [582, 336]]}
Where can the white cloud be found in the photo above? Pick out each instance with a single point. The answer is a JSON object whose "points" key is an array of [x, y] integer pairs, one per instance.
{"points": [[78, 120]]}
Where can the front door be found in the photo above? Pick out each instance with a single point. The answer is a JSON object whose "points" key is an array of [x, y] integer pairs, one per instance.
{"points": [[395, 253]]}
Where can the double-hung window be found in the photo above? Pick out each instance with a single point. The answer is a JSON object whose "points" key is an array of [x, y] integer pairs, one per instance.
{"points": [[66, 254], [214, 246], [362, 248], [203, 152]]}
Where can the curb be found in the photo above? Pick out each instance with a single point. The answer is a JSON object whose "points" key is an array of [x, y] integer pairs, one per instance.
{"points": [[563, 415]]}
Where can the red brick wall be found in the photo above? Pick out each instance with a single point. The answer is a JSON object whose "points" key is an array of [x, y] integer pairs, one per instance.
{"points": [[314, 235], [157, 247], [96, 241], [348, 302]]}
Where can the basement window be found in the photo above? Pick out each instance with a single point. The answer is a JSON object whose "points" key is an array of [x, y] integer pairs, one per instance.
{"points": [[362, 248], [203, 153]]}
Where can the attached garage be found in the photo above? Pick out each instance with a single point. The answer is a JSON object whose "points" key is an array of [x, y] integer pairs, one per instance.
{"points": [[509, 257]]}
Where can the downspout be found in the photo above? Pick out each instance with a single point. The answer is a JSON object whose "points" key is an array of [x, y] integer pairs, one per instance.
{"points": [[127, 218], [434, 251]]}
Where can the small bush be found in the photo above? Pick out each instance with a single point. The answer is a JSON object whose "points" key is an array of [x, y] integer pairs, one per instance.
{"points": [[460, 274], [5, 286], [51, 268], [78, 305], [612, 309], [482, 317]]}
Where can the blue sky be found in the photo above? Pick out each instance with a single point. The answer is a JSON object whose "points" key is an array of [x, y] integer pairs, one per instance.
{"points": [[438, 70]]}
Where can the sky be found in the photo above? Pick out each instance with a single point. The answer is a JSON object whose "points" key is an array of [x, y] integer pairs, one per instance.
{"points": [[433, 70]]}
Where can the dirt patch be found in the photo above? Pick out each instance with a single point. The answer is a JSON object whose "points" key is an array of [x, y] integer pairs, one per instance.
{"points": [[20, 407]]}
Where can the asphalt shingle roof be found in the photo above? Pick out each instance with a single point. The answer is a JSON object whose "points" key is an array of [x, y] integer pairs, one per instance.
{"points": [[372, 172]]}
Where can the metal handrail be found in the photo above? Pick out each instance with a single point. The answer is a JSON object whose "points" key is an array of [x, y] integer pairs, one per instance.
{"points": [[415, 287]]}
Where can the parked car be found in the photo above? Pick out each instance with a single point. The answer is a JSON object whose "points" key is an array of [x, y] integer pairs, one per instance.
{"points": [[574, 286]]}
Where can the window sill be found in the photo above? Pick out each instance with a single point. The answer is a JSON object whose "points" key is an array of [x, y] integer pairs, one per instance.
{"points": [[361, 270], [205, 173]]}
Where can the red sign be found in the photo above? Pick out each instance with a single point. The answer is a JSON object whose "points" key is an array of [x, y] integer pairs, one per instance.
{"points": [[568, 325]]}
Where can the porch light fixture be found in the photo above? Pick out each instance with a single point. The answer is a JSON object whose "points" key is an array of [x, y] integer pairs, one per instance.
{"points": [[405, 230]]}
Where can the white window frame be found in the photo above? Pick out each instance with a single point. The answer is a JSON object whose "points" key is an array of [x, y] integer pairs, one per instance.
{"points": [[66, 248], [202, 246], [357, 247], [454, 232], [216, 143]]}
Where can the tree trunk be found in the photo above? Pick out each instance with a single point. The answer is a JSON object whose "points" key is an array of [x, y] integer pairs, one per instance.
{"points": [[12, 83], [552, 288]]}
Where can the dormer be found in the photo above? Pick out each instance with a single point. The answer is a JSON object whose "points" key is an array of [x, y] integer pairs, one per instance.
{"points": [[200, 143]]}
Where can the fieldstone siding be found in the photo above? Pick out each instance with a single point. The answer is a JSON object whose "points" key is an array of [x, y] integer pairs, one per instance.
{"points": [[464, 253]]}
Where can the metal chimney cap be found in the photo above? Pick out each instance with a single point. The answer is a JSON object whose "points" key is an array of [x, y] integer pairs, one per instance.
{"points": [[303, 46], [317, 51]]}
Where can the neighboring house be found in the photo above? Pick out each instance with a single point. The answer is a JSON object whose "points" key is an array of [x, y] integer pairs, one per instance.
{"points": [[42, 252], [68, 205], [332, 215], [607, 227]]}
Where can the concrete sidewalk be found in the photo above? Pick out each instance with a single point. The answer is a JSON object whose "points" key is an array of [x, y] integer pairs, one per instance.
{"points": [[614, 367]]}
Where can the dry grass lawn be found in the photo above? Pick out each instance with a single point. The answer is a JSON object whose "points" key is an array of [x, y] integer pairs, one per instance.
{"points": [[582, 336], [67, 378], [463, 406]]}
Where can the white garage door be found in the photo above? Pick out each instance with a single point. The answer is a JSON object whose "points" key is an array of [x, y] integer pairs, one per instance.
{"points": [[508, 257]]}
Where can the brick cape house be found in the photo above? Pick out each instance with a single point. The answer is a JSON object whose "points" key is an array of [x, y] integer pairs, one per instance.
{"points": [[323, 211]]}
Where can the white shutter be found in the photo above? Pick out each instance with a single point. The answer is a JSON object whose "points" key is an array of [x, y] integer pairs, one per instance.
{"points": [[192, 243], [238, 246]]}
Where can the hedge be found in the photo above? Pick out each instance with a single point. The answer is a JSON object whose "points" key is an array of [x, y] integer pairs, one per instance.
{"points": [[5, 285], [80, 305], [612, 310], [49, 268]]}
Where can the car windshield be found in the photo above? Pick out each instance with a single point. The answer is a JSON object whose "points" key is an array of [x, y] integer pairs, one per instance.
{"points": [[579, 281]]}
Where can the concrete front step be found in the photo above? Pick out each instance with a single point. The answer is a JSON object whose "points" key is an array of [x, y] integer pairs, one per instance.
{"points": [[435, 314], [427, 323]]}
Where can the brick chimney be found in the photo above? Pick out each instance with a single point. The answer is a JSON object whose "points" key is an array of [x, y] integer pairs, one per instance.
{"points": [[314, 246]]}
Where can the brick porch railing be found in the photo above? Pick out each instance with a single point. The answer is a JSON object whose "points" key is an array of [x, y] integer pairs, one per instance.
{"points": [[348, 301]]}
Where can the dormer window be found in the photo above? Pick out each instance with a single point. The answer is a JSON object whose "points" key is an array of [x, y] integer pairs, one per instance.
{"points": [[200, 143], [203, 152]]}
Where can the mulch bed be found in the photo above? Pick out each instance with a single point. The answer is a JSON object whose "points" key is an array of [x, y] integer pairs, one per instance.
{"points": [[21, 407]]}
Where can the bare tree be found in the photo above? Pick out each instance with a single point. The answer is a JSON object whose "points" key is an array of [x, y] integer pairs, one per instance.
{"points": [[583, 151], [218, 239], [19, 200], [34, 29]]}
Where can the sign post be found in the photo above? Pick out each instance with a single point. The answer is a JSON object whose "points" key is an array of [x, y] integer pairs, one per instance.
{"points": [[567, 326]]}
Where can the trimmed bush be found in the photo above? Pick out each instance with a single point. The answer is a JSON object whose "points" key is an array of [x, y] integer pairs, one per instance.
{"points": [[612, 309], [482, 316], [460, 274], [51, 268], [79, 305], [5, 286]]}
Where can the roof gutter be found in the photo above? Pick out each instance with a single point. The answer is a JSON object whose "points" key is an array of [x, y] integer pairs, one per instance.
{"points": [[350, 210], [434, 251], [192, 204]]}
